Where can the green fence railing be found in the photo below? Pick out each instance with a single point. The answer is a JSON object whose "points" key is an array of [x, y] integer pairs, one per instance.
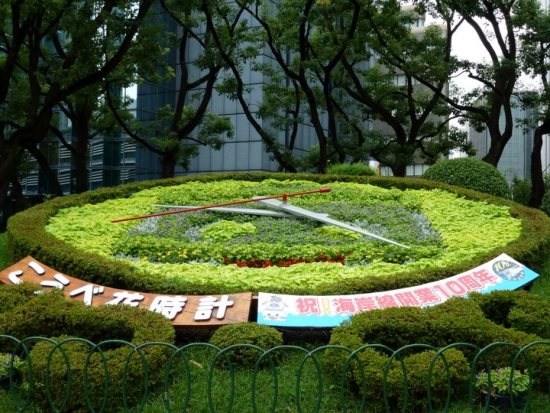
{"points": [[74, 374]]}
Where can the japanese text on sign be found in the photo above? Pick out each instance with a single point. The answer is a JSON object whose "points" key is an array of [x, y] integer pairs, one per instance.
{"points": [[182, 310]]}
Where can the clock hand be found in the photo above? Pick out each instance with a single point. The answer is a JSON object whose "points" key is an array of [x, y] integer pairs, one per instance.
{"points": [[301, 212], [244, 211], [242, 201]]}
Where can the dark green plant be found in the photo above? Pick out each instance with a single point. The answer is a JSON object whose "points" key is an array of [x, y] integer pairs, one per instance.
{"points": [[12, 296], [517, 309], [3, 250], [50, 315], [496, 305], [545, 203], [368, 374], [501, 383], [9, 363], [521, 190], [470, 173], [258, 335], [456, 320]]}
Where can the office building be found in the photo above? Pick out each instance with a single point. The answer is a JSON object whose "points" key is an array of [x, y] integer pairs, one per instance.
{"points": [[515, 161]]}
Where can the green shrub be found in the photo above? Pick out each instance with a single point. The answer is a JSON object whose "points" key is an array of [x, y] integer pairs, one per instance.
{"points": [[50, 315], [470, 173], [417, 369], [517, 309], [12, 296], [4, 261], [457, 320], [497, 305], [254, 334], [350, 169]]}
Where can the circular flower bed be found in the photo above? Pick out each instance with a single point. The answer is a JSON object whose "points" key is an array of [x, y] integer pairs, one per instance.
{"points": [[249, 252], [207, 252]]}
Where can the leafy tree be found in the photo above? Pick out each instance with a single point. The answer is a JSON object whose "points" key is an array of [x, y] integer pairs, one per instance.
{"points": [[298, 37], [51, 50], [498, 24], [410, 120], [177, 130], [89, 110], [88, 121], [330, 61], [247, 50], [536, 62]]}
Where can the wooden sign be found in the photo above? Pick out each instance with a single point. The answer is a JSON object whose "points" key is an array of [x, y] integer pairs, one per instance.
{"points": [[182, 310]]}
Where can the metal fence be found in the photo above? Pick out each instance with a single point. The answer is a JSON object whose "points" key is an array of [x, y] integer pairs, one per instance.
{"points": [[74, 374]]}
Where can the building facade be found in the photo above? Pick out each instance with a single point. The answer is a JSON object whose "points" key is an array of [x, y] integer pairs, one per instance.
{"points": [[515, 161], [111, 160], [245, 151]]}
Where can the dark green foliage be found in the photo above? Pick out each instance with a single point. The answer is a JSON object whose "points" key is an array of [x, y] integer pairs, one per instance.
{"points": [[350, 169], [470, 173], [521, 190], [28, 237], [545, 203], [258, 335], [457, 320], [12, 296], [530, 315], [517, 309], [3, 250], [370, 379], [50, 315]]}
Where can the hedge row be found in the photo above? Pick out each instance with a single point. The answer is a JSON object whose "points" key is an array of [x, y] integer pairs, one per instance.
{"points": [[27, 236], [25, 314], [458, 320]]}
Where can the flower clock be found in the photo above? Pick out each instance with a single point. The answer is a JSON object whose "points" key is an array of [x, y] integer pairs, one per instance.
{"points": [[266, 248]]}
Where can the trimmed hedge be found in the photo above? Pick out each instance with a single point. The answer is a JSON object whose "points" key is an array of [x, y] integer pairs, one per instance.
{"points": [[370, 379], [516, 309], [458, 320], [470, 173], [253, 334], [27, 236], [50, 315], [350, 169]]}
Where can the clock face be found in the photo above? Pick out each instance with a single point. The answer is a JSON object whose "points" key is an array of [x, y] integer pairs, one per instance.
{"points": [[251, 236], [252, 251]]}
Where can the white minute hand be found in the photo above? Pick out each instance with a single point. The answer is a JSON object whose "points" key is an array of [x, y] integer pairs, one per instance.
{"points": [[301, 212]]}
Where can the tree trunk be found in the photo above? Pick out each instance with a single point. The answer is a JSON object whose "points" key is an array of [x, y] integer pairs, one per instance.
{"points": [[493, 155], [45, 168], [80, 143], [399, 170], [10, 158], [332, 128], [537, 179], [168, 163]]}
